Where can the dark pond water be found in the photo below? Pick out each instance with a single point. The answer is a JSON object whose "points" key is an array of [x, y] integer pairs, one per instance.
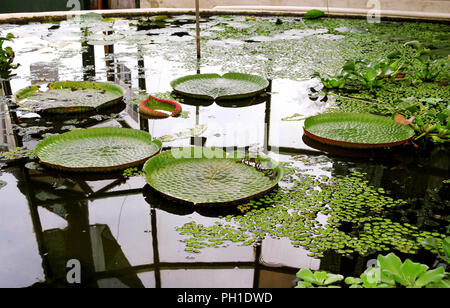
{"points": [[125, 238]]}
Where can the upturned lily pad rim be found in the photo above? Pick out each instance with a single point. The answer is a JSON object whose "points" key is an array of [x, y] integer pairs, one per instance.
{"points": [[356, 145], [146, 110], [219, 154], [104, 86], [262, 83], [98, 131]]}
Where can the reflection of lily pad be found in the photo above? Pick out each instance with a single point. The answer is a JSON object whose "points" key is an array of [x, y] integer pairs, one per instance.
{"points": [[69, 97], [97, 149], [216, 87], [207, 176], [192, 132], [357, 130], [151, 106]]}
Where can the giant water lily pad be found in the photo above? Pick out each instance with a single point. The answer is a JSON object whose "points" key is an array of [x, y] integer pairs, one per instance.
{"points": [[230, 86], [69, 97], [357, 130], [97, 149], [208, 177], [152, 107]]}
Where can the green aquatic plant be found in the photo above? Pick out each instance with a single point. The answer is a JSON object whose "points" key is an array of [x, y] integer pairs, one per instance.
{"points": [[152, 107], [318, 278], [18, 153], [69, 97], [431, 118], [209, 177], [230, 86], [292, 213], [337, 81], [391, 272], [7, 56], [314, 14], [98, 149], [357, 130], [132, 172], [2, 184], [424, 64], [439, 246]]}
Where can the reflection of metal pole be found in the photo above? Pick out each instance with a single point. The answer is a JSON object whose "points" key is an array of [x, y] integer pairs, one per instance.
{"points": [[109, 52], [267, 146], [88, 58], [197, 17], [141, 70]]}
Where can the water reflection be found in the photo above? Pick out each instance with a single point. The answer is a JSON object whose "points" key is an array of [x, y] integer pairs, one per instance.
{"points": [[126, 236]]}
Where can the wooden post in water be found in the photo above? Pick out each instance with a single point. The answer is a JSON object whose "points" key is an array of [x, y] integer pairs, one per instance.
{"points": [[197, 17]]}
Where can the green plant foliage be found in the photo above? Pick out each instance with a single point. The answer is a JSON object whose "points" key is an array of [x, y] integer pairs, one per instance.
{"points": [[439, 246], [132, 172], [313, 14], [292, 213], [7, 56], [206, 176], [18, 153], [357, 129], [69, 97], [215, 87], [391, 273], [2, 184], [97, 149], [432, 118]]}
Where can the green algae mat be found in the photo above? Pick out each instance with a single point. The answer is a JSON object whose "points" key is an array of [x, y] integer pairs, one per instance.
{"points": [[230, 86], [97, 149], [210, 177], [357, 130], [65, 97]]}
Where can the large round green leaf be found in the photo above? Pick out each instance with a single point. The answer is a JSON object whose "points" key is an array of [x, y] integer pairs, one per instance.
{"points": [[97, 149], [69, 97], [208, 177], [357, 130], [215, 87]]}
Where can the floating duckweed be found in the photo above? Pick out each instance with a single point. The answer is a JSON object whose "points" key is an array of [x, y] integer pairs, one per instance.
{"points": [[18, 153], [132, 172], [292, 213]]}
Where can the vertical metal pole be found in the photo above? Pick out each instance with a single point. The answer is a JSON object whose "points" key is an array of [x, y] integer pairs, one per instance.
{"points": [[197, 16]]}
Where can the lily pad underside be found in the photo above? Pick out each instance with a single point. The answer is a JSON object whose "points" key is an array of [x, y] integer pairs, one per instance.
{"points": [[69, 97], [97, 149], [230, 86], [152, 105], [208, 177], [357, 130]]}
